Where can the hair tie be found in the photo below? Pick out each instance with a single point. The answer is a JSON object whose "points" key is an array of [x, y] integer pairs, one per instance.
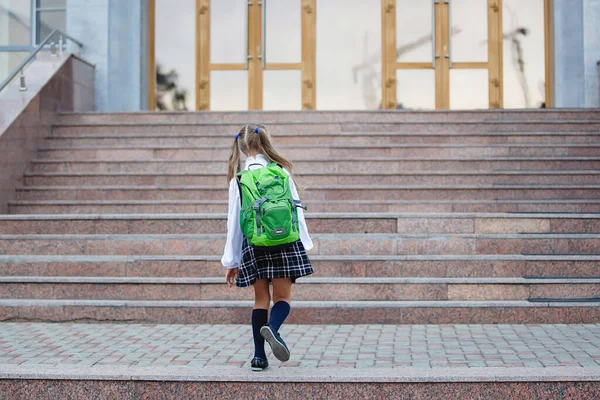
{"points": [[237, 136], [256, 130]]}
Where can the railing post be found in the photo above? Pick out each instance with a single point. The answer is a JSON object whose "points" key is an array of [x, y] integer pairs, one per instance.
{"points": [[53, 49], [23, 84], [60, 45]]}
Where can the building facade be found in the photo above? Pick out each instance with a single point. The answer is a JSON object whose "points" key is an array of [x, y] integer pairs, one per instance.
{"points": [[322, 54]]}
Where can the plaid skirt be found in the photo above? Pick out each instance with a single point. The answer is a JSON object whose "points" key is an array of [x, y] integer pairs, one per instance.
{"points": [[289, 262]]}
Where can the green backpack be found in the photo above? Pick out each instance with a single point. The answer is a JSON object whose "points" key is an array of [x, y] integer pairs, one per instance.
{"points": [[269, 215]]}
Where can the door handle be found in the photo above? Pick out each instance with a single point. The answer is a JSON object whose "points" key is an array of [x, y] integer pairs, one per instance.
{"points": [[263, 43], [450, 31], [248, 56], [433, 55]]}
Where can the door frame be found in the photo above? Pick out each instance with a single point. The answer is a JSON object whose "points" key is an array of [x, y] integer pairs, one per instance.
{"points": [[440, 61], [256, 49], [441, 53], [308, 63]]}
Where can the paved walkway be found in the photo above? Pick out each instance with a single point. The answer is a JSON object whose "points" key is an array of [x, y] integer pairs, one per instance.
{"points": [[313, 346]]}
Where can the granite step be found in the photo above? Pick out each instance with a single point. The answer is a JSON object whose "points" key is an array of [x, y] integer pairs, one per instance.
{"points": [[323, 116], [374, 166], [301, 128], [339, 139], [317, 222], [313, 289], [524, 177], [382, 139], [304, 312], [368, 206], [190, 153], [351, 266], [325, 244], [337, 192]]}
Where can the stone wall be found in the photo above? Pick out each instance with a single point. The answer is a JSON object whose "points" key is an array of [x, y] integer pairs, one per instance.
{"points": [[54, 85]]}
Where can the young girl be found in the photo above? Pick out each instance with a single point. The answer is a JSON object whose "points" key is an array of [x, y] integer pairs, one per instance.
{"points": [[248, 265]]}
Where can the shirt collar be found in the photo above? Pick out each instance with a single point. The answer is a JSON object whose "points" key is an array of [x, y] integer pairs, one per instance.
{"points": [[259, 159]]}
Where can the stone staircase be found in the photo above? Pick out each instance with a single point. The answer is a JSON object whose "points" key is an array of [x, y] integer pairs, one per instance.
{"points": [[420, 217]]}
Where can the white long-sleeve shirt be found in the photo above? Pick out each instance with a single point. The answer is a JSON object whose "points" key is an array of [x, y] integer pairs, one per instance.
{"points": [[232, 255]]}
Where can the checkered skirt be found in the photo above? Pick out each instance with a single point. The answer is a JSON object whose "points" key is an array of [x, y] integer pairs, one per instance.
{"points": [[289, 262]]}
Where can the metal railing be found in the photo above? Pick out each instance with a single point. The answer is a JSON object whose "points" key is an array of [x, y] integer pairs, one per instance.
{"points": [[53, 51]]}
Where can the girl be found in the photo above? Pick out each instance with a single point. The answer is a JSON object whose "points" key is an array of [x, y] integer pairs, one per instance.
{"points": [[249, 265]]}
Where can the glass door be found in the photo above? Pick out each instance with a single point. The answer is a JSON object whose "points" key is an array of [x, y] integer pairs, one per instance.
{"points": [[255, 55], [442, 54], [349, 54], [472, 54]]}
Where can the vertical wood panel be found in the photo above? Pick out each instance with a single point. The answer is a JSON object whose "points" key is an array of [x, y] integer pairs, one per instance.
{"points": [[151, 55], [495, 56], [309, 54], [388, 54], [548, 29], [202, 54], [255, 81]]}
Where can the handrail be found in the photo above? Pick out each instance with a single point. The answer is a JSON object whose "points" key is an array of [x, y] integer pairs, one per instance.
{"points": [[32, 55]]}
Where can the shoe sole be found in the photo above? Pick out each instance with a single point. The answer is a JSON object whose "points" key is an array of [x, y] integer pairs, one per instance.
{"points": [[279, 350], [255, 369]]}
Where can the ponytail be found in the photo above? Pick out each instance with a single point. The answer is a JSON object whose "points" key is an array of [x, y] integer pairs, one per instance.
{"points": [[234, 157], [267, 148], [256, 139]]}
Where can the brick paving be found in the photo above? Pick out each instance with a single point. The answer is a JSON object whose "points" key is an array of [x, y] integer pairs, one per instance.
{"points": [[313, 346]]}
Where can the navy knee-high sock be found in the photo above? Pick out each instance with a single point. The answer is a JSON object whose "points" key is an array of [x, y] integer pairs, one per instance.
{"points": [[279, 313], [259, 318]]}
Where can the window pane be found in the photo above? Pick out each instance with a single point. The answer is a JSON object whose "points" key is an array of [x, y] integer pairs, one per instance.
{"points": [[49, 21], [15, 23], [284, 31], [229, 90], [282, 90], [469, 30], [469, 89], [524, 54], [228, 31], [413, 30], [51, 3], [348, 54], [415, 89]]}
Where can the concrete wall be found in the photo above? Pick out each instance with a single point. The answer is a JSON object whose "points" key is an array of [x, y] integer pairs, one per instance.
{"points": [[576, 50], [87, 21], [113, 34], [124, 55], [591, 39]]}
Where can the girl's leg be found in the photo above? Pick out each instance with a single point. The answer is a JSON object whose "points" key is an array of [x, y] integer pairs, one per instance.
{"points": [[282, 294], [262, 299]]}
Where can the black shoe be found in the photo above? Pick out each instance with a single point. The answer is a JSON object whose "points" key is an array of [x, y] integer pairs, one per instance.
{"points": [[259, 364], [280, 349]]}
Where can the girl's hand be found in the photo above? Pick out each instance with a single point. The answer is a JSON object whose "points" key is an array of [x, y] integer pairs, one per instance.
{"points": [[230, 276]]}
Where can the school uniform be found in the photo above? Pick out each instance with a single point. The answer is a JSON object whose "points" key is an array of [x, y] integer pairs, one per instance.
{"points": [[254, 263]]}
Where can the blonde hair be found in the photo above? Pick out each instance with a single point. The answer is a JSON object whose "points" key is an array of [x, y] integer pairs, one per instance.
{"points": [[254, 139]]}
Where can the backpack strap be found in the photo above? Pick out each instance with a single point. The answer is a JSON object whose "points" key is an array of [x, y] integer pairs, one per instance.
{"points": [[257, 205], [255, 164], [239, 185]]}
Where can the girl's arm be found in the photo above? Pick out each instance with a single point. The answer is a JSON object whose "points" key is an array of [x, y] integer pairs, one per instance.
{"points": [[304, 236], [232, 255]]}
